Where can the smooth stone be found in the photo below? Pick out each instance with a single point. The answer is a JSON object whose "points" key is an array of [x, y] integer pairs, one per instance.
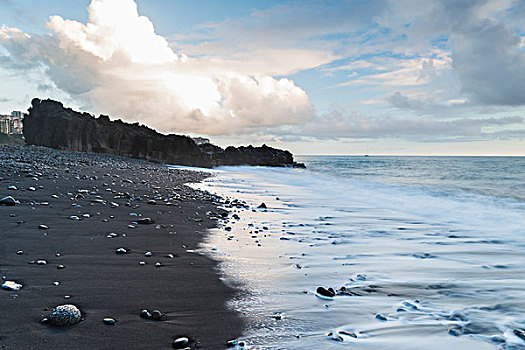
{"points": [[158, 264], [41, 262], [11, 285], [60, 267], [156, 315], [180, 343], [43, 227], [121, 251], [520, 333], [64, 315], [239, 344], [380, 317], [145, 314], [145, 221], [31, 188], [20, 252], [151, 202], [109, 321], [12, 188], [8, 201], [148, 254], [74, 217], [325, 292]]}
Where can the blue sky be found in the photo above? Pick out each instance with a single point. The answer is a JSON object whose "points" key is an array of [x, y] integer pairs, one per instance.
{"points": [[316, 77]]}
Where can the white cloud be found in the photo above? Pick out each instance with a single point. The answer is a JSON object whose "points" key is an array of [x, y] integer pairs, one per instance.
{"points": [[116, 64]]}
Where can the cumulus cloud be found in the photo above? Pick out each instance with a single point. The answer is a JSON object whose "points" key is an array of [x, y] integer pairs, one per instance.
{"points": [[440, 68], [117, 64]]}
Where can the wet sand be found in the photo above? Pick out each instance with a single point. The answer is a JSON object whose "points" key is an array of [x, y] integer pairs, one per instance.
{"points": [[186, 287]]}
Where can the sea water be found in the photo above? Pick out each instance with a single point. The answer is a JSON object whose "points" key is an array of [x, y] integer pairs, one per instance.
{"points": [[430, 250]]}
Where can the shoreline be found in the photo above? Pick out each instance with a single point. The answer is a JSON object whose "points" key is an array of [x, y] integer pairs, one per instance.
{"points": [[102, 191]]}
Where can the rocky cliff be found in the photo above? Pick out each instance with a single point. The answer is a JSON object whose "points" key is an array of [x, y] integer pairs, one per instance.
{"points": [[51, 125]]}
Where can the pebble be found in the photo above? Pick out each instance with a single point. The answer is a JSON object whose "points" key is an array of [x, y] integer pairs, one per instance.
{"points": [[8, 201], [64, 315], [109, 321], [145, 314], [239, 344], [31, 188], [41, 262], [520, 333], [145, 221], [380, 317], [180, 343], [330, 293], [74, 217], [121, 251], [11, 285], [156, 315], [20, 252], [148, 254], [12, 188], [262, 206], [334, 336], [43, 227], [60, 267], [158, 264]]}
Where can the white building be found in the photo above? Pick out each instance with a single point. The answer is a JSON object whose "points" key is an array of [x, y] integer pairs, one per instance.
{"points": [[5, 124], [12, 124]]}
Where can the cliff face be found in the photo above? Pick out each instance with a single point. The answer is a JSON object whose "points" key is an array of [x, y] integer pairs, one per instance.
{"points": [[51, 125]]}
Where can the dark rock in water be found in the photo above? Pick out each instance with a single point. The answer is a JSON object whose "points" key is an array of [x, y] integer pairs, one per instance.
{"points": [[348, 333], [109, 321], [335, 336], [51, 125], [456, 332], [145, 221], [325, 292], [520, 333], [380, 317], [262, 206], [64, 315], [8, 201]]}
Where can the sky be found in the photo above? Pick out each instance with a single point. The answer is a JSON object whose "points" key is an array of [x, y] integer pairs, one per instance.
{"points": [[378, 77]]}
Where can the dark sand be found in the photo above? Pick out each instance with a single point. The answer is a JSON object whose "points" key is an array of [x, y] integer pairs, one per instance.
{"points": [[101, 283]]}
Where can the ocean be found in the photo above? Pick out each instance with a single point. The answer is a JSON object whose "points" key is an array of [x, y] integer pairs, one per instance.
{"points": [[424, 252]]}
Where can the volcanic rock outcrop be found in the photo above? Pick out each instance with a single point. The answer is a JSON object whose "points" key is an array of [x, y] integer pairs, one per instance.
{"points": [[52, 125]]}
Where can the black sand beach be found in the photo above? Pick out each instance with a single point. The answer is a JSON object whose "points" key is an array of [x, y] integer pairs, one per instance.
{"points": [[82, 198]]}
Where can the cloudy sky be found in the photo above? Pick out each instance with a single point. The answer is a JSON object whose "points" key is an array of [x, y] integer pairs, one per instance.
{"points": [[316, 77]]}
